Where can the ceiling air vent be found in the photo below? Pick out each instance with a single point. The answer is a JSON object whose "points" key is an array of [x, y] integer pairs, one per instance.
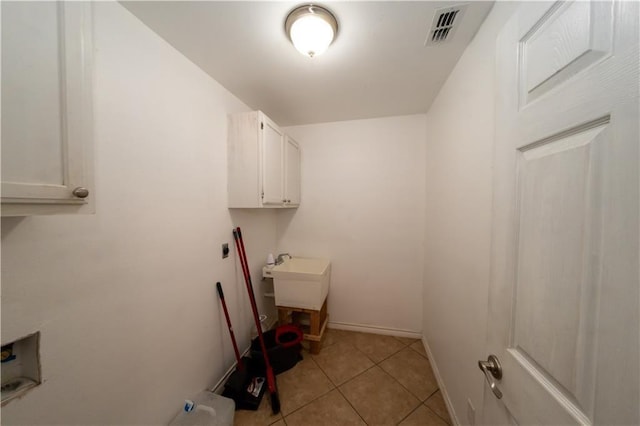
{"points": [[444, 24]]}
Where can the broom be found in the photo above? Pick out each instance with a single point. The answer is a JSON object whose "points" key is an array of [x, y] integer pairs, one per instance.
{"points": [[271, 378]]}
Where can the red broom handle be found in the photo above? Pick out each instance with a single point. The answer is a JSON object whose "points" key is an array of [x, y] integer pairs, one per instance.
{"points": [[252, 298], [245, 270], [233, 336], [256, 315], [248, 280]]}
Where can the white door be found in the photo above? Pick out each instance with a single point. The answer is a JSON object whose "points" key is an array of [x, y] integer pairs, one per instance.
{"points": [[564, 299], [292, 172], [272, 163]]}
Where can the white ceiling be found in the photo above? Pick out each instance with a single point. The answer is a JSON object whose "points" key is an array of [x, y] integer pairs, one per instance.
{"points": [[377, 66]]}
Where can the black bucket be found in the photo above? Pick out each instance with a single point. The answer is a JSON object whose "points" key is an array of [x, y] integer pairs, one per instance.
{"points": [[281, 358]]}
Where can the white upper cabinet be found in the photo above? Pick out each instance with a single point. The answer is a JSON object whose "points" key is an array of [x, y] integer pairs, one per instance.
{"points": [[47, 134], [291, 172], [258, 163]]}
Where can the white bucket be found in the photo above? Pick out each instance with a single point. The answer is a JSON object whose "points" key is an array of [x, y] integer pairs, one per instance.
{"points": [[263, 325]]}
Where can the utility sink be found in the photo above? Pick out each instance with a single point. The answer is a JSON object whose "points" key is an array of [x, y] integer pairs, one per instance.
{"points": [[301, 282], [301, 268]]}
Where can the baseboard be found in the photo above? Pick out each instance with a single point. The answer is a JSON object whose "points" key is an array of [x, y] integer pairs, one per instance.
{"points": [[218, 387], [374, 329], [443, 389]]}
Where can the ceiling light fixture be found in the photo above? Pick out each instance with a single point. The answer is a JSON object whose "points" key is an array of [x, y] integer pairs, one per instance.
{"points": [[311, 29]]}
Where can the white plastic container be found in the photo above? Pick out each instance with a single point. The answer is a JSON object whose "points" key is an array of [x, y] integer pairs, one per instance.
{"points": [[264, 325], [210, 410]]}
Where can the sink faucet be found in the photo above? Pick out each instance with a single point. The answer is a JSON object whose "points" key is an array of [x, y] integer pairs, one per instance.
{"points": [[280, 258]]}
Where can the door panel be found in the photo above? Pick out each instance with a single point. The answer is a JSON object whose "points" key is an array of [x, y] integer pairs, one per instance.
{"points": [[292, 173], [46, 106], [564, 39], [558, 268], [32, 131], [564, 297], [272, 184], [557, 279]]}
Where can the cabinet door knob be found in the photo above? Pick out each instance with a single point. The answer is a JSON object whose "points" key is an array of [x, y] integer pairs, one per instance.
{"points": [[81, 192]]}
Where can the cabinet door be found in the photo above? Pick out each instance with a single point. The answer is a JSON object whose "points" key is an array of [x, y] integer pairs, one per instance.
{"points": [[272, 162], [292, 172], [46, 107]]}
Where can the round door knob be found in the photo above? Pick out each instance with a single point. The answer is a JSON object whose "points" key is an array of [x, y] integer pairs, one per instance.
{"points": [[81, 192]]}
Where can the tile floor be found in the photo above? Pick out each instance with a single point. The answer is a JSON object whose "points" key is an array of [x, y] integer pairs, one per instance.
{"points": [[356, 379]]}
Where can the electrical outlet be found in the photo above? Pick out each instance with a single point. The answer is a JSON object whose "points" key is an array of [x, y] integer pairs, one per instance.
{"points": [[471, 413], [225, 250]]}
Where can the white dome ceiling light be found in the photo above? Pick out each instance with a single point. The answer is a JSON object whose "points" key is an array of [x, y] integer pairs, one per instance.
{"points": [[311, 29]]}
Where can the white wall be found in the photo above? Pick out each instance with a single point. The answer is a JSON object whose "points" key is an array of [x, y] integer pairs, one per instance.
{"points": [[363, 208], [459, 153], [125, 299]]}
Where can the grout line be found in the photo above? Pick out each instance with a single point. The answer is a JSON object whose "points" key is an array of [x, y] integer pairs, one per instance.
{"points": [[348, 380], [431, 394], [405, 344], [371, 359], [377, 364], [313, 400], [354, 408], [322, 369], [273, 423], [356, 376], [420, 353], [410, 413], [422, 401], [438, 415], [403, 386], [389, 356], [448, 421], [319, 396]]}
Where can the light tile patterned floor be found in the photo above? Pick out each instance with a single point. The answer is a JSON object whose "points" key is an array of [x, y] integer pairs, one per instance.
{"points": [[356, 379]]}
